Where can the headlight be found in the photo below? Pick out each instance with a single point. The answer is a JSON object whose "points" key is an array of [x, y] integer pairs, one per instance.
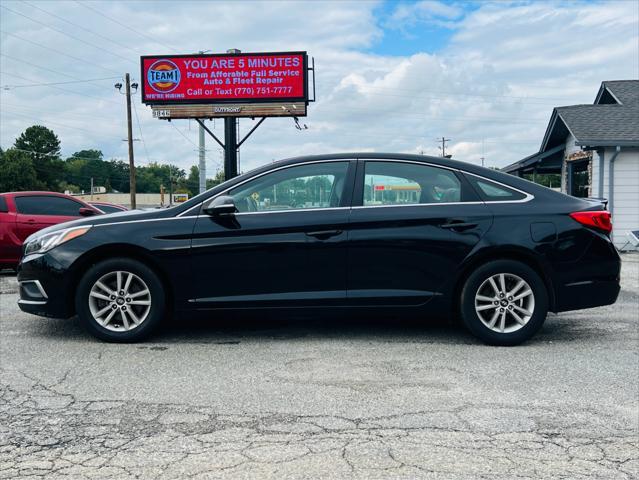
{"points": [[44, 243]]}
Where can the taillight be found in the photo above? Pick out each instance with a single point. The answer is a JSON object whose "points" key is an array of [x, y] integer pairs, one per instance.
{"points": [[598, 219]]}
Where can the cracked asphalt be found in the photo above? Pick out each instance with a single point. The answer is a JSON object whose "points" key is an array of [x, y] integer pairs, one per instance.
{"points": [[309, 397]]}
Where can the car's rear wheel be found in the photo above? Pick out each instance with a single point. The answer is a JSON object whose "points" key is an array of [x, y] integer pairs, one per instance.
{"points": [[120, 300], [504, 302]]}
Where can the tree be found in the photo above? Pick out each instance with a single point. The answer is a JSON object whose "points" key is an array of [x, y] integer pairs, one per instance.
{"points": [[192, 183], [43, 148], [119, 175], [212, 182], [18, 173]]}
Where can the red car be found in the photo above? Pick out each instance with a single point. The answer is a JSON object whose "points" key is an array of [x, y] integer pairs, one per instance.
{"points": [[24, 213]]}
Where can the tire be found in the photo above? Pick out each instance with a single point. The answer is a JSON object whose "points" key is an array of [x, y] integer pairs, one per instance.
{"points": [[122, 316], [483, 288]]}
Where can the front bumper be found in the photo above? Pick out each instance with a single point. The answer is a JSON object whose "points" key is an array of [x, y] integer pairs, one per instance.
{"points": [[45, 286]]}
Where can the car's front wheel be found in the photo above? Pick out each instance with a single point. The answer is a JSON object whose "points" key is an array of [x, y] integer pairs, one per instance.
{"points": [[504, 302], [120, 300]]}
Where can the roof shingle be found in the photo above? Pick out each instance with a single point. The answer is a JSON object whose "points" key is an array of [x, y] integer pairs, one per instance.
{"points": [[626, 91], [595, 124]]}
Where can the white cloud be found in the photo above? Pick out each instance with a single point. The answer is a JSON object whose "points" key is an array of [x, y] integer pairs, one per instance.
{"points": [[423, 12], [491, 89]]}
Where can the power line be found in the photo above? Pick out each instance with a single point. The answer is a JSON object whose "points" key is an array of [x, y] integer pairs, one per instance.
{"points": [[73, 156], [9, 87], [78, 59], [38, 66], [44, 110], [35, 119], [433, 117], [78, 39], [181, 133], [48, 69], [123, 25], [543, 100], [58, 155], [137, 119], [61, 89], [126, 47]]}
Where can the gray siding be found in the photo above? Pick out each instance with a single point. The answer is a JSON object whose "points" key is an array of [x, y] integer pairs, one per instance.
{"points": [[625, 208]]}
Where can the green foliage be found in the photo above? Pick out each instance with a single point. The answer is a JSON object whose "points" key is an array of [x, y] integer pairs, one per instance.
{"points": [[18, 173], [43, 148], [34, 163], [552, 180]]}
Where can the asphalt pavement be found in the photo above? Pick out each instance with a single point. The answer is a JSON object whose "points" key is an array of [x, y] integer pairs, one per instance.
{"points": [[305, 397]]}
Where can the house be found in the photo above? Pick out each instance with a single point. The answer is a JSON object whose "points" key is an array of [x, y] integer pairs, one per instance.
{"points": [[595, 149]]}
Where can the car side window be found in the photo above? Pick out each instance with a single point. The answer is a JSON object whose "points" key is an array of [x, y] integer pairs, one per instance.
{"points": [[316, 185], [401, 183], [47, 205], [494, 192], [3, 205], [107, 208]]}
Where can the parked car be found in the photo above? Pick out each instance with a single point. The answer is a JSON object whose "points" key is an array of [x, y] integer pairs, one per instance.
{"points": [[349, 230], [24, 213], [106, 207]]}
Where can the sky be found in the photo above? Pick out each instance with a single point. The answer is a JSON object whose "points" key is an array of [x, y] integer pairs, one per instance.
{"points": [[390, 76]]}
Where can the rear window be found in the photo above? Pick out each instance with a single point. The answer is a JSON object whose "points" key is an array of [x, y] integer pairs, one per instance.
{"points": [[494, 192], [48, 205], [3, 205]]}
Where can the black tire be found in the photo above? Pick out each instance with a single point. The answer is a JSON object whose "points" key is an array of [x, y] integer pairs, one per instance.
{"points": [[471, 318], [146, 274]]}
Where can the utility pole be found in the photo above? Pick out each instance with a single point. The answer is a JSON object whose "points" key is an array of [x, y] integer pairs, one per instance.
{"points": [[127, 80], [443, 147], [202, 150], [170, 188], [91, 188], [483, 155]]}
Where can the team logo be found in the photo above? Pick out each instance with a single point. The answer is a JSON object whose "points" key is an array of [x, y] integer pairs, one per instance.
{"points": [[163, 76]]}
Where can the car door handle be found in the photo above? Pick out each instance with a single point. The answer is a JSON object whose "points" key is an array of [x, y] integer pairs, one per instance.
{"points": [[323, 234], [458, 225]]}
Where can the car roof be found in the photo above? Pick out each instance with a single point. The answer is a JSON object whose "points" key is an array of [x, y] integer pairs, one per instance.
{"points": [[43, 193], [444, 162], [38, 192]]}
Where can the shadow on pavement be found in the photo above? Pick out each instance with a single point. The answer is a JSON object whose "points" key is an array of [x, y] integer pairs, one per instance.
{"points": [[233, 329]]}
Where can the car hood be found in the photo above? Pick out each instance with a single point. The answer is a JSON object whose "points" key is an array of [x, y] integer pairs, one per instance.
{"points": [[111, 218]]}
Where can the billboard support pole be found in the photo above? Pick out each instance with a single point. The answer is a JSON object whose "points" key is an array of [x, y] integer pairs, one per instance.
{"points": [[230, 148], [250, 132], [202, 160], [206, 129], [230, 145]]}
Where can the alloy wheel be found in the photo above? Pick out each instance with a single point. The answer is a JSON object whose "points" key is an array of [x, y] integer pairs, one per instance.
{"points": [[504, 302], [120, 301]]}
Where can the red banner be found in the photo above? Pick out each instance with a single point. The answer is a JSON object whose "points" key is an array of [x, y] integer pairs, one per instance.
{"points": [[206, 79]]}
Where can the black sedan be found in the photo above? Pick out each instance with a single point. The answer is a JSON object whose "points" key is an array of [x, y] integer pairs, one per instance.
{"points": [[347, 230]]}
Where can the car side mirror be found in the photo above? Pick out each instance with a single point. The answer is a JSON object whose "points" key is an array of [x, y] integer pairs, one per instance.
{"points": [[86, 212], [222, 205]]}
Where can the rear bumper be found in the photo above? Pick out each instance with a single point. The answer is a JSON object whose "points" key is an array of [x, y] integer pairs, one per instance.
{"points": [[591, 281], [588, 294]]}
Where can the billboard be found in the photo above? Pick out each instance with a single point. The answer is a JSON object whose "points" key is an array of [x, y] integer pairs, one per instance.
{"points": [[237, 78]]}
